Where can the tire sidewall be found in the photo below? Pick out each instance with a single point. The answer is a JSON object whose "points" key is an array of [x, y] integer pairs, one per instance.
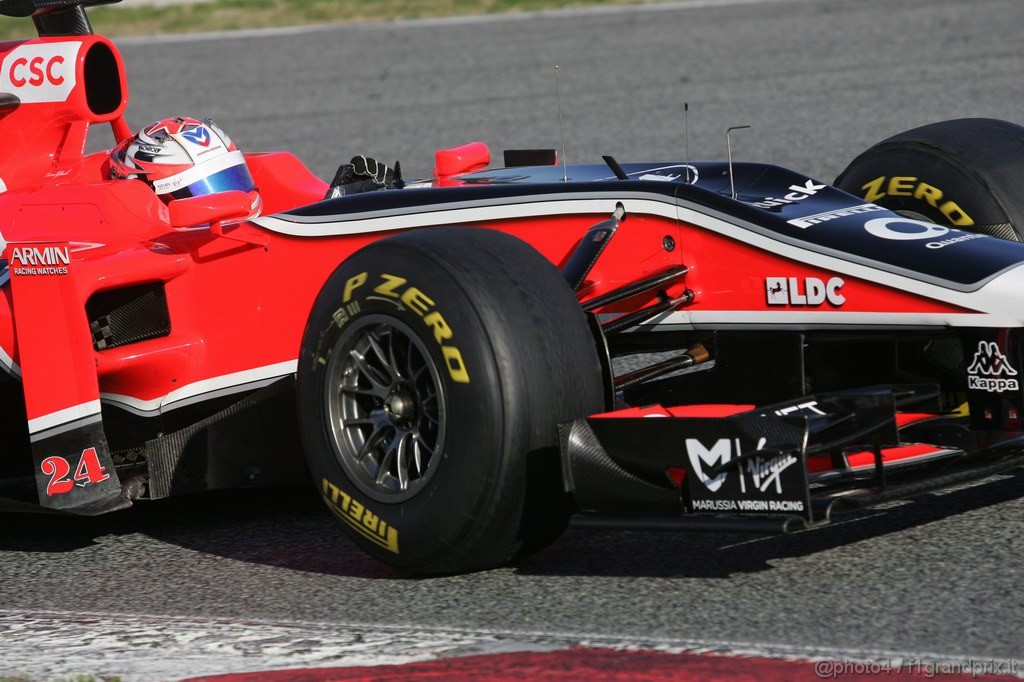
{"points": [[914, 178], [415, 531]]}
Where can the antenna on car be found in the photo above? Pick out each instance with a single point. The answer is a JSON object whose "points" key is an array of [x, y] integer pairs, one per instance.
{"points": [[728, 147], [561, 128], [686, 140]]}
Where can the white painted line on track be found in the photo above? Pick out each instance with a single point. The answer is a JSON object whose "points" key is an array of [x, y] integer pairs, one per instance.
{"points": [[472, 19], [56, 645]]}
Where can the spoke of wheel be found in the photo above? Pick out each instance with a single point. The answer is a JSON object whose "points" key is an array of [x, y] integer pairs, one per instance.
{"points": [[360, 421], [396, 372], [379, 389], [417, 458], [355, 390], [371, 442], [385, 463], [419, 446], [384, 360], [429, 413], [409, 357], [403, 460], [418, 373]]}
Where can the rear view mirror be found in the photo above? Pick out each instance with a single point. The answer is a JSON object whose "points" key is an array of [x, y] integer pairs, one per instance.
{"points": [[230, 206]]}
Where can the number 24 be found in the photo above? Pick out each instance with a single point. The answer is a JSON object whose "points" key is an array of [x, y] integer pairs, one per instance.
{"points": [[89, 470]]}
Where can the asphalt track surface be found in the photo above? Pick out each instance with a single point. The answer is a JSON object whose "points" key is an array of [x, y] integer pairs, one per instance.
{"points": [[819, 81]]}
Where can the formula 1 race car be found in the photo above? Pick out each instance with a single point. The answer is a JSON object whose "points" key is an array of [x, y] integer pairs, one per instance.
{"points": [[469, 360]]}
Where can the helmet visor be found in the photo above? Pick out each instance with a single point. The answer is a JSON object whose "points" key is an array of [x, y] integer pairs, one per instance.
{"points": [[234, 178]]}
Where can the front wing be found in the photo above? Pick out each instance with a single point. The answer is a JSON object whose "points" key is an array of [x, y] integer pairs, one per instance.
{"points": [[772, 469]]}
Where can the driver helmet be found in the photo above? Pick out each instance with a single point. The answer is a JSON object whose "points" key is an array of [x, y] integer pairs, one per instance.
{"points": [[184, 157]]}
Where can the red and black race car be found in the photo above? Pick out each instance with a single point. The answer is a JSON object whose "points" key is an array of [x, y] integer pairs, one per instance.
{"points": [[465, 362]]}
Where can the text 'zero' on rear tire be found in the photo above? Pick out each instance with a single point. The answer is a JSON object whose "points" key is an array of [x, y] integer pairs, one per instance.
{"points": [[966, 173], [434, 370]]}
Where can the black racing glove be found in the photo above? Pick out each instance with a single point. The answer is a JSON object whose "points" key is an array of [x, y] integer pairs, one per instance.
{"points": [[361, 174]]}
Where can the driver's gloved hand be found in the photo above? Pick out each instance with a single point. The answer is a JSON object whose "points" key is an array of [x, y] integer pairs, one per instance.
{"points": [[361, 174]]}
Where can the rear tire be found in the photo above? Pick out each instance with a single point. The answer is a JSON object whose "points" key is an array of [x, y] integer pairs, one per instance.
{"points": [[435, 368], [966, 173]]}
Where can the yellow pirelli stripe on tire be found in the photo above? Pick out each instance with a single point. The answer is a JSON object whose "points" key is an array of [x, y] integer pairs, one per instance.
{"points": [[359, 518]]}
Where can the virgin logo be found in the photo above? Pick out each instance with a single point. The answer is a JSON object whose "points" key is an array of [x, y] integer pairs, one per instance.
{"points": [[40, 72]]}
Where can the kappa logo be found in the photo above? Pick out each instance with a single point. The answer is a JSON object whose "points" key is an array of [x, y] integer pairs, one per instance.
{"points": [[199, 136], [990, 369]]}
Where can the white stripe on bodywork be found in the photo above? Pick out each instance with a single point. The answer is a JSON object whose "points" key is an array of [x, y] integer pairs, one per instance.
{"points": [[70, 414], [455, 214], [798, 319], [8, 363], [206, 389]]}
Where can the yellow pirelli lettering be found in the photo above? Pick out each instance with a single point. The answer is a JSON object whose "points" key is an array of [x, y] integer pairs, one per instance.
{"points": [[442, 332], [336, 496], [873, 190], [371, 521], [907, 186], [901, 185], [388, 286], [359, 518], [955, 214], [351, 285], [928, 193], [456, 367], [340, 317], [417, 301]]}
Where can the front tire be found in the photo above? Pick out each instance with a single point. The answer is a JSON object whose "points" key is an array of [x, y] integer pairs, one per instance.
{"points": [[966, 173], [434, 370]]}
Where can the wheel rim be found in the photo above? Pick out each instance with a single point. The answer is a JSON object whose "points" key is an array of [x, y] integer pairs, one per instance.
{"points": [[385, 407]]}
